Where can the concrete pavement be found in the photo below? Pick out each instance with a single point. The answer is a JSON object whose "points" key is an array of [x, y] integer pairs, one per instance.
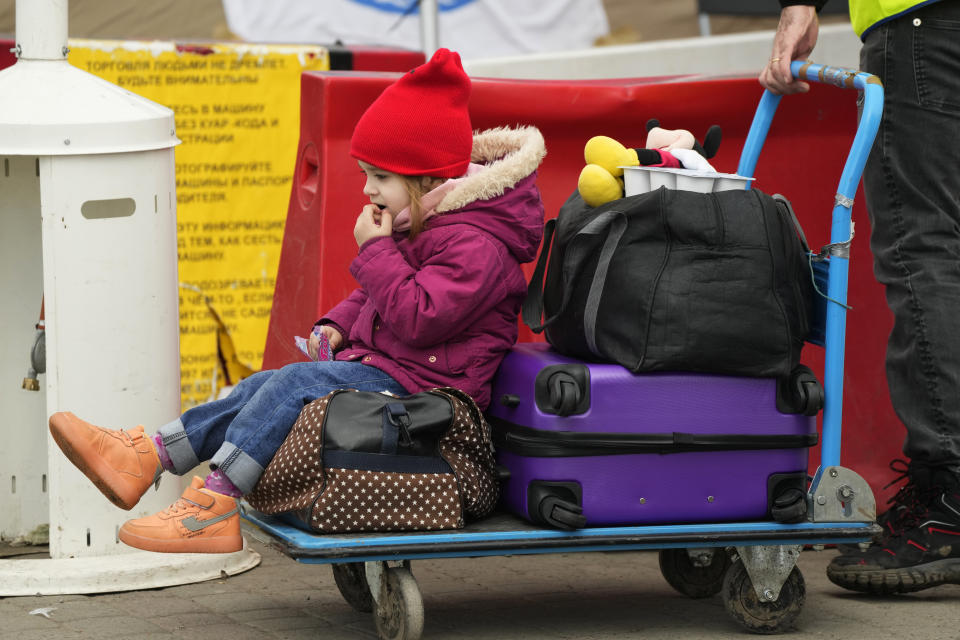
{"points": [[582, 596]]}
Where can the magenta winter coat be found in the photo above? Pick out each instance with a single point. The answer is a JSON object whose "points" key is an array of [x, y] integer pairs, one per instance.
{"points": [[442, 310]]}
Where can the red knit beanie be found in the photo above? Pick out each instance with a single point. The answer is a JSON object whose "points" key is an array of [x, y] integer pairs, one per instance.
{"points": [[419, 126]]}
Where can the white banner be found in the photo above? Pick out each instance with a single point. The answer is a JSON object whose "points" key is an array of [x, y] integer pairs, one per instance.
{"points": [[474, 28]]}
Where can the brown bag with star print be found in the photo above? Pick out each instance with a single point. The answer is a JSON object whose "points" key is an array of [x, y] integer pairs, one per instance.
{"points": [[366, 461]]}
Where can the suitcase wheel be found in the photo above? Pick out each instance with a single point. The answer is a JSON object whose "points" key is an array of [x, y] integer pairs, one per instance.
{"points": [[787, 497], [556, 504], [789, 507], [563, 389], [800, 392], [562, 514], [564, 394], [813, 397]]}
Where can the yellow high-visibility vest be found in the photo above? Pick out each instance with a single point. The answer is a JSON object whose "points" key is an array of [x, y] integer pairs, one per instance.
{"points": [[865, 14]]}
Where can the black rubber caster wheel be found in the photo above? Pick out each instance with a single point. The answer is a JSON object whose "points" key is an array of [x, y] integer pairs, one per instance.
{"points": [[690, 579], [351, 579], [757, 616]]}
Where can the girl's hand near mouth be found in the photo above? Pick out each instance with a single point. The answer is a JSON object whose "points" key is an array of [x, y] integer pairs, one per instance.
{"points": [[373, 222]]}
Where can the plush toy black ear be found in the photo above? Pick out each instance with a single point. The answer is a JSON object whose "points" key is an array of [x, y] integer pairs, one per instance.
{"points": [[711, 142]]}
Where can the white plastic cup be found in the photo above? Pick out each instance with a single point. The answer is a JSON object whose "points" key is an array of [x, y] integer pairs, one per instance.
{"points": [[662, 178], [636, 180], [695, 181], [730, 182]]}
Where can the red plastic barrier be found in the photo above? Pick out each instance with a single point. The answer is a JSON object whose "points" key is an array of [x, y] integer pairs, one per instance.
{"points": [[7, 56], [802, 159], [368, 58]]}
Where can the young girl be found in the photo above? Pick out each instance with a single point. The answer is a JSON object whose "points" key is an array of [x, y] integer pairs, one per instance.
{"points": [[451, 218]]}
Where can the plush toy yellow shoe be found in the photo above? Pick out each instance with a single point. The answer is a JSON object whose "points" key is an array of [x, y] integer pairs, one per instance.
{"points": [[597, 186], [601, 180], [609, 154]]}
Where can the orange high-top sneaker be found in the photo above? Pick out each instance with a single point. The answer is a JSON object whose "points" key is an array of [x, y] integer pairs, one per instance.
{"points": [[123, 464], [201, 521]]}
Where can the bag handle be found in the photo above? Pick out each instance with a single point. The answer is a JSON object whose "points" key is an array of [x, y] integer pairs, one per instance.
{"points": [[532, 309], [475, 413], [796, 222], [395, 423], [579, 249], [617, 228]]}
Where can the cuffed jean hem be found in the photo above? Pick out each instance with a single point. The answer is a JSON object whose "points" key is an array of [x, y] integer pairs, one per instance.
{"points": [[174, 438], [242, 470]]}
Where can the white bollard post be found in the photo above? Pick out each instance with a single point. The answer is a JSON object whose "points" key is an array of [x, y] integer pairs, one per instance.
{"points": [[88, 168]]}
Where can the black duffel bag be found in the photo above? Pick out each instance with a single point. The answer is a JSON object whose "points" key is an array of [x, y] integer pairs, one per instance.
{"points": [[674, 280]]}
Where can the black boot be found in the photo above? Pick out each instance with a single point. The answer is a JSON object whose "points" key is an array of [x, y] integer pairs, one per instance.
{"points": [[920, 547]]}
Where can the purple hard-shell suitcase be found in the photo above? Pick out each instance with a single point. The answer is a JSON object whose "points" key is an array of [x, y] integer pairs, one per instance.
{"points": [[593, 444]]}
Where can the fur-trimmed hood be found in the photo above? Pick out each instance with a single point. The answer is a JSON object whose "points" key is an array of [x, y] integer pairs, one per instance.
{"points": [[508, 156], [502, 197]]}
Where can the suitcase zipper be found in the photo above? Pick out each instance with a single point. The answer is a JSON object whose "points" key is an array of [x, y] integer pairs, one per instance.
{"points": [[554, 444]]}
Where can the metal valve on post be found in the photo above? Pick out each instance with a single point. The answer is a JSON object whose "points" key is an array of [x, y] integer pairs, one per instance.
{"points": [[38, 355]]}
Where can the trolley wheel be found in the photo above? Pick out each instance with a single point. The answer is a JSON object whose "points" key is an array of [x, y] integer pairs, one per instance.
{"points": [[691, 580], [351, 579], [741, 601], [399, 609]]}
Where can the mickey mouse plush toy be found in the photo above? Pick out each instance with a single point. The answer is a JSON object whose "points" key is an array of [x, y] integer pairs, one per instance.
{"points": [[601, 180]]}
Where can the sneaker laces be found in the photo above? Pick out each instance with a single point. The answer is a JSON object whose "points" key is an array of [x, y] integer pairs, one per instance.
{"points": [[909, 504], [178, 507], [127, 435]]}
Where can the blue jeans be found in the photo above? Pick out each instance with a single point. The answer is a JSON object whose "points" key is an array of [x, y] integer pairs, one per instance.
{"points": [[240, 434], [912, 186]]}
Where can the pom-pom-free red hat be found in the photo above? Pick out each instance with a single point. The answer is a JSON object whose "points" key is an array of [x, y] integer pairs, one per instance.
{"points": [[420, 125]]}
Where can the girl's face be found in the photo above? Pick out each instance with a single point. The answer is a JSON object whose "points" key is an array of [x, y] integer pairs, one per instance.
{"points": [[385, 188]]}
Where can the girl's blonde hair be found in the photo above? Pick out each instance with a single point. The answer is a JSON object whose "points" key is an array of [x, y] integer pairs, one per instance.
{"points": [[417, 187]]}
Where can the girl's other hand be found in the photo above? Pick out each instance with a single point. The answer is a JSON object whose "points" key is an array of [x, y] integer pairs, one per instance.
{"points": [[372, 223], [334, 339]]}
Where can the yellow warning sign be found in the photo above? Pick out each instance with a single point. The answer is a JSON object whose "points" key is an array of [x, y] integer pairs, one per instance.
{"points": [[237, 113]]}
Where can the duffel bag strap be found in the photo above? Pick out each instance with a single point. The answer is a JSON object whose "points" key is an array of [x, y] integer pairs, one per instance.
{"points": [[793, 217], [617, 227], [532, 310], [578, 250]]}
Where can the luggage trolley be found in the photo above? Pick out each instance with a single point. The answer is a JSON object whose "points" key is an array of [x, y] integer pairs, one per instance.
{"points": [[752, 563]]}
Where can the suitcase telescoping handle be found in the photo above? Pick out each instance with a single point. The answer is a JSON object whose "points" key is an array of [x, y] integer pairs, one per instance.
{"points": [[840, 231]]}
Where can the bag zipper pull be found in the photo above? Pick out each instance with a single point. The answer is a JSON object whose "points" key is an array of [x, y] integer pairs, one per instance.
{"points": [[398, 417]]}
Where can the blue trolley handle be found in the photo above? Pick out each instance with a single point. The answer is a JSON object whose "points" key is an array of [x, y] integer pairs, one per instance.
{"points": [[840, 232]]}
